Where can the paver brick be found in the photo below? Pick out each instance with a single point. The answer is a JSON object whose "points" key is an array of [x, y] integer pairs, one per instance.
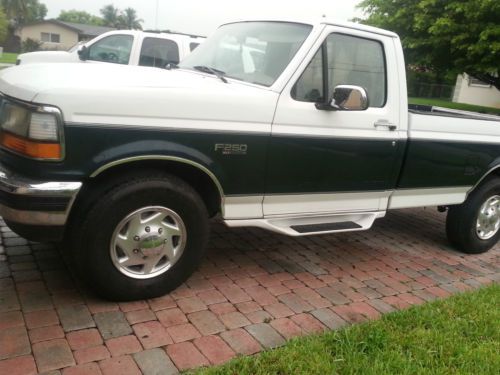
{"points": [[206, 322], [171, 317], [11, 319], [14, 342], [261, 295], [286, 327], [161, 303], [152, 334], [155, 362], [260, 316], [140, 316], [183, 332], [222, 308], [119, 346], [329, 318], [347, 313], [331, 294], [112, 324], [186, 356], [308, 323], [214, 349], [94, 353], [266, 335], [295, 303], [234, 319], [279, 310], [212, 296], [234, 293], [53, 355], [241, 341], [381, 306], [192, 304], [75, 317], [46, 333], [37, 319], [91, 368], [84, 339], [24, 365], [123, 365]]}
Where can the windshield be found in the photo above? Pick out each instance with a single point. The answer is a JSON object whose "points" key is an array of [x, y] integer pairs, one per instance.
{"points": [[254, 52]]}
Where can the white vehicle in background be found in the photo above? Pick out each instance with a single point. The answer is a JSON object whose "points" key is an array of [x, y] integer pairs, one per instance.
{"points": [[126, 47]]}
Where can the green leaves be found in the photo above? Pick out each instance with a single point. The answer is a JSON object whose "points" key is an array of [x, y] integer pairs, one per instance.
{"points": [[444, 35]]}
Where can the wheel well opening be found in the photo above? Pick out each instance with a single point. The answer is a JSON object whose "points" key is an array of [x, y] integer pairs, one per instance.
{"points": [[199, 180]]}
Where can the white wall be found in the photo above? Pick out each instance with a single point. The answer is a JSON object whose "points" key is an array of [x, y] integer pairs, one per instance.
{"points": [[465, 92]]}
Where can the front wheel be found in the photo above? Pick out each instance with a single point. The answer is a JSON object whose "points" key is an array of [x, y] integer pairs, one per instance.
{"points": [[142, 239], [474, 226]]}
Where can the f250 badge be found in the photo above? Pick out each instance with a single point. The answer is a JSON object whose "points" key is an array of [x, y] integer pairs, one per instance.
{"points": [[231, 148]]}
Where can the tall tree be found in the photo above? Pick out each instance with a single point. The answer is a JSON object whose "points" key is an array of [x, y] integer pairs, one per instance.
{"points": [[80, 16], [444, 35], [129, 20], [111, 16], [23, 11], [4, 23]]}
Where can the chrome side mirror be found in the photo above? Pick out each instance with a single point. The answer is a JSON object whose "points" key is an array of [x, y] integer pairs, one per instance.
{"points": [[349, 98]]}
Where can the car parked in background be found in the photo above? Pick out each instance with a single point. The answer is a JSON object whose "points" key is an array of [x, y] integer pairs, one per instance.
{"points": [[126, 47]]}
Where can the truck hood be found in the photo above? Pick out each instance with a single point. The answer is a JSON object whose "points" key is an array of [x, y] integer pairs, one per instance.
{"points": [[116, 94], [48, 57]]}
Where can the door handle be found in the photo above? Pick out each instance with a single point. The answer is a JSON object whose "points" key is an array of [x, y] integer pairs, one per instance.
{"points": [[385, 124]]}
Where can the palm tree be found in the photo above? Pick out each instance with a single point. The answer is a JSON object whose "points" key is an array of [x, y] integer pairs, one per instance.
{"points": [[110, 14], [129, 19]]}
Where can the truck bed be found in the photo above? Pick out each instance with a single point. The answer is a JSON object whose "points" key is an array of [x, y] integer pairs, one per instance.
{"points": [[448, 112]]}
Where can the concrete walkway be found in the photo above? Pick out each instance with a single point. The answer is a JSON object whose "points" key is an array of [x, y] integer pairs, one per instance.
{"points": [[254, 291]]}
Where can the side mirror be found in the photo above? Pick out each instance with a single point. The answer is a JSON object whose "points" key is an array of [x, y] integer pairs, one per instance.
{"points": [[346, 98], [349, 98], [83, 52]]}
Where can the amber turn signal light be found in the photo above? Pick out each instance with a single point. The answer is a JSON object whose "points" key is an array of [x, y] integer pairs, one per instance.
{"points": [[37, 150]]}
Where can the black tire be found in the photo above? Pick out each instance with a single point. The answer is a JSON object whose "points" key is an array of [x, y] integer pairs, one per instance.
{"points": [[462, 219], [91, 235]]}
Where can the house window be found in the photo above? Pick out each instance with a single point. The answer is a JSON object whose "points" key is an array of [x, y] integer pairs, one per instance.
{"points": [[477, 82], [51, 38]]}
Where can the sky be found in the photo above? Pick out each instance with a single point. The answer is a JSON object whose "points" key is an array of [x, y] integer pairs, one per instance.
{"points": [[203, 17]]}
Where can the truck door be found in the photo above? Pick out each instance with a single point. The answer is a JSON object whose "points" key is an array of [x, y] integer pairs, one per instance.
{"points": [[333, 160]]}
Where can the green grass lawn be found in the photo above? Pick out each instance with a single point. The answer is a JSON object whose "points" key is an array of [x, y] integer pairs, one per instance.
{"points": [[458, 335], [8, 58], [448, 104]]}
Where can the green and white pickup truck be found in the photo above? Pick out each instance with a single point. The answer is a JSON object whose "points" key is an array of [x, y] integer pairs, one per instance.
{"points": [[299, 128]]}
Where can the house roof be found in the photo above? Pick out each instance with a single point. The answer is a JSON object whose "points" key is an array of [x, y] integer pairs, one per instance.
{"points": [[90, 30], [82, 29]]}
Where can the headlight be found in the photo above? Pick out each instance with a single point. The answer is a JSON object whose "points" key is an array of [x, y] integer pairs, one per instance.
{"points": [[30, 130]]}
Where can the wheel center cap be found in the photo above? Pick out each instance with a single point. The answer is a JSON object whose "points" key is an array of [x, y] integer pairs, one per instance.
{"points": [[152, 245]]}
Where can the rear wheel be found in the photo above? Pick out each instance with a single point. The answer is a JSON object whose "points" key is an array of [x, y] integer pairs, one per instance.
{"points": [[142, 238], [474, 226]]}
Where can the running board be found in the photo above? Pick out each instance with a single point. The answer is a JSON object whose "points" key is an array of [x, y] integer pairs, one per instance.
{"points": [[309, 225]]}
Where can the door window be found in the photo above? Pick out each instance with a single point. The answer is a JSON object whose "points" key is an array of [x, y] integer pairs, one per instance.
{"points": [[350, 61], [158, 52], [114, 49]]}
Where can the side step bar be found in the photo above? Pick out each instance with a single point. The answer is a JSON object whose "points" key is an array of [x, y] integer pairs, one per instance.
{"points": [[309, 225]]}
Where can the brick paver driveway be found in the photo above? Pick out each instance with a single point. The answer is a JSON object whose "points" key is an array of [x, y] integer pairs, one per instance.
{"points": [[254, 290]]}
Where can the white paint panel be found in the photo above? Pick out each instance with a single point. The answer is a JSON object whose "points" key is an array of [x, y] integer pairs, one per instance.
{"points": [[456, 129], [428, 197], [324, 203], [243, 207]]}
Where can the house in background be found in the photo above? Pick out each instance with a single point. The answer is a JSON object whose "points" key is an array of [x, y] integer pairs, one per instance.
{"points": [[470, 90], [59, 35]]}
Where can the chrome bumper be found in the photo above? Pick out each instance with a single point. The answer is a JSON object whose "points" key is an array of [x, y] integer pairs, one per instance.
{"points": [[39, 203]]}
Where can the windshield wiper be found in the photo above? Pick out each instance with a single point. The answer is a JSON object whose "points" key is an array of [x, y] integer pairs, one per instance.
{"points": [[206, 69]]}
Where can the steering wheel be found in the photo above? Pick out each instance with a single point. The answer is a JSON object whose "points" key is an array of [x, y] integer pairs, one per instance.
{"points": [[112, 56]]}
